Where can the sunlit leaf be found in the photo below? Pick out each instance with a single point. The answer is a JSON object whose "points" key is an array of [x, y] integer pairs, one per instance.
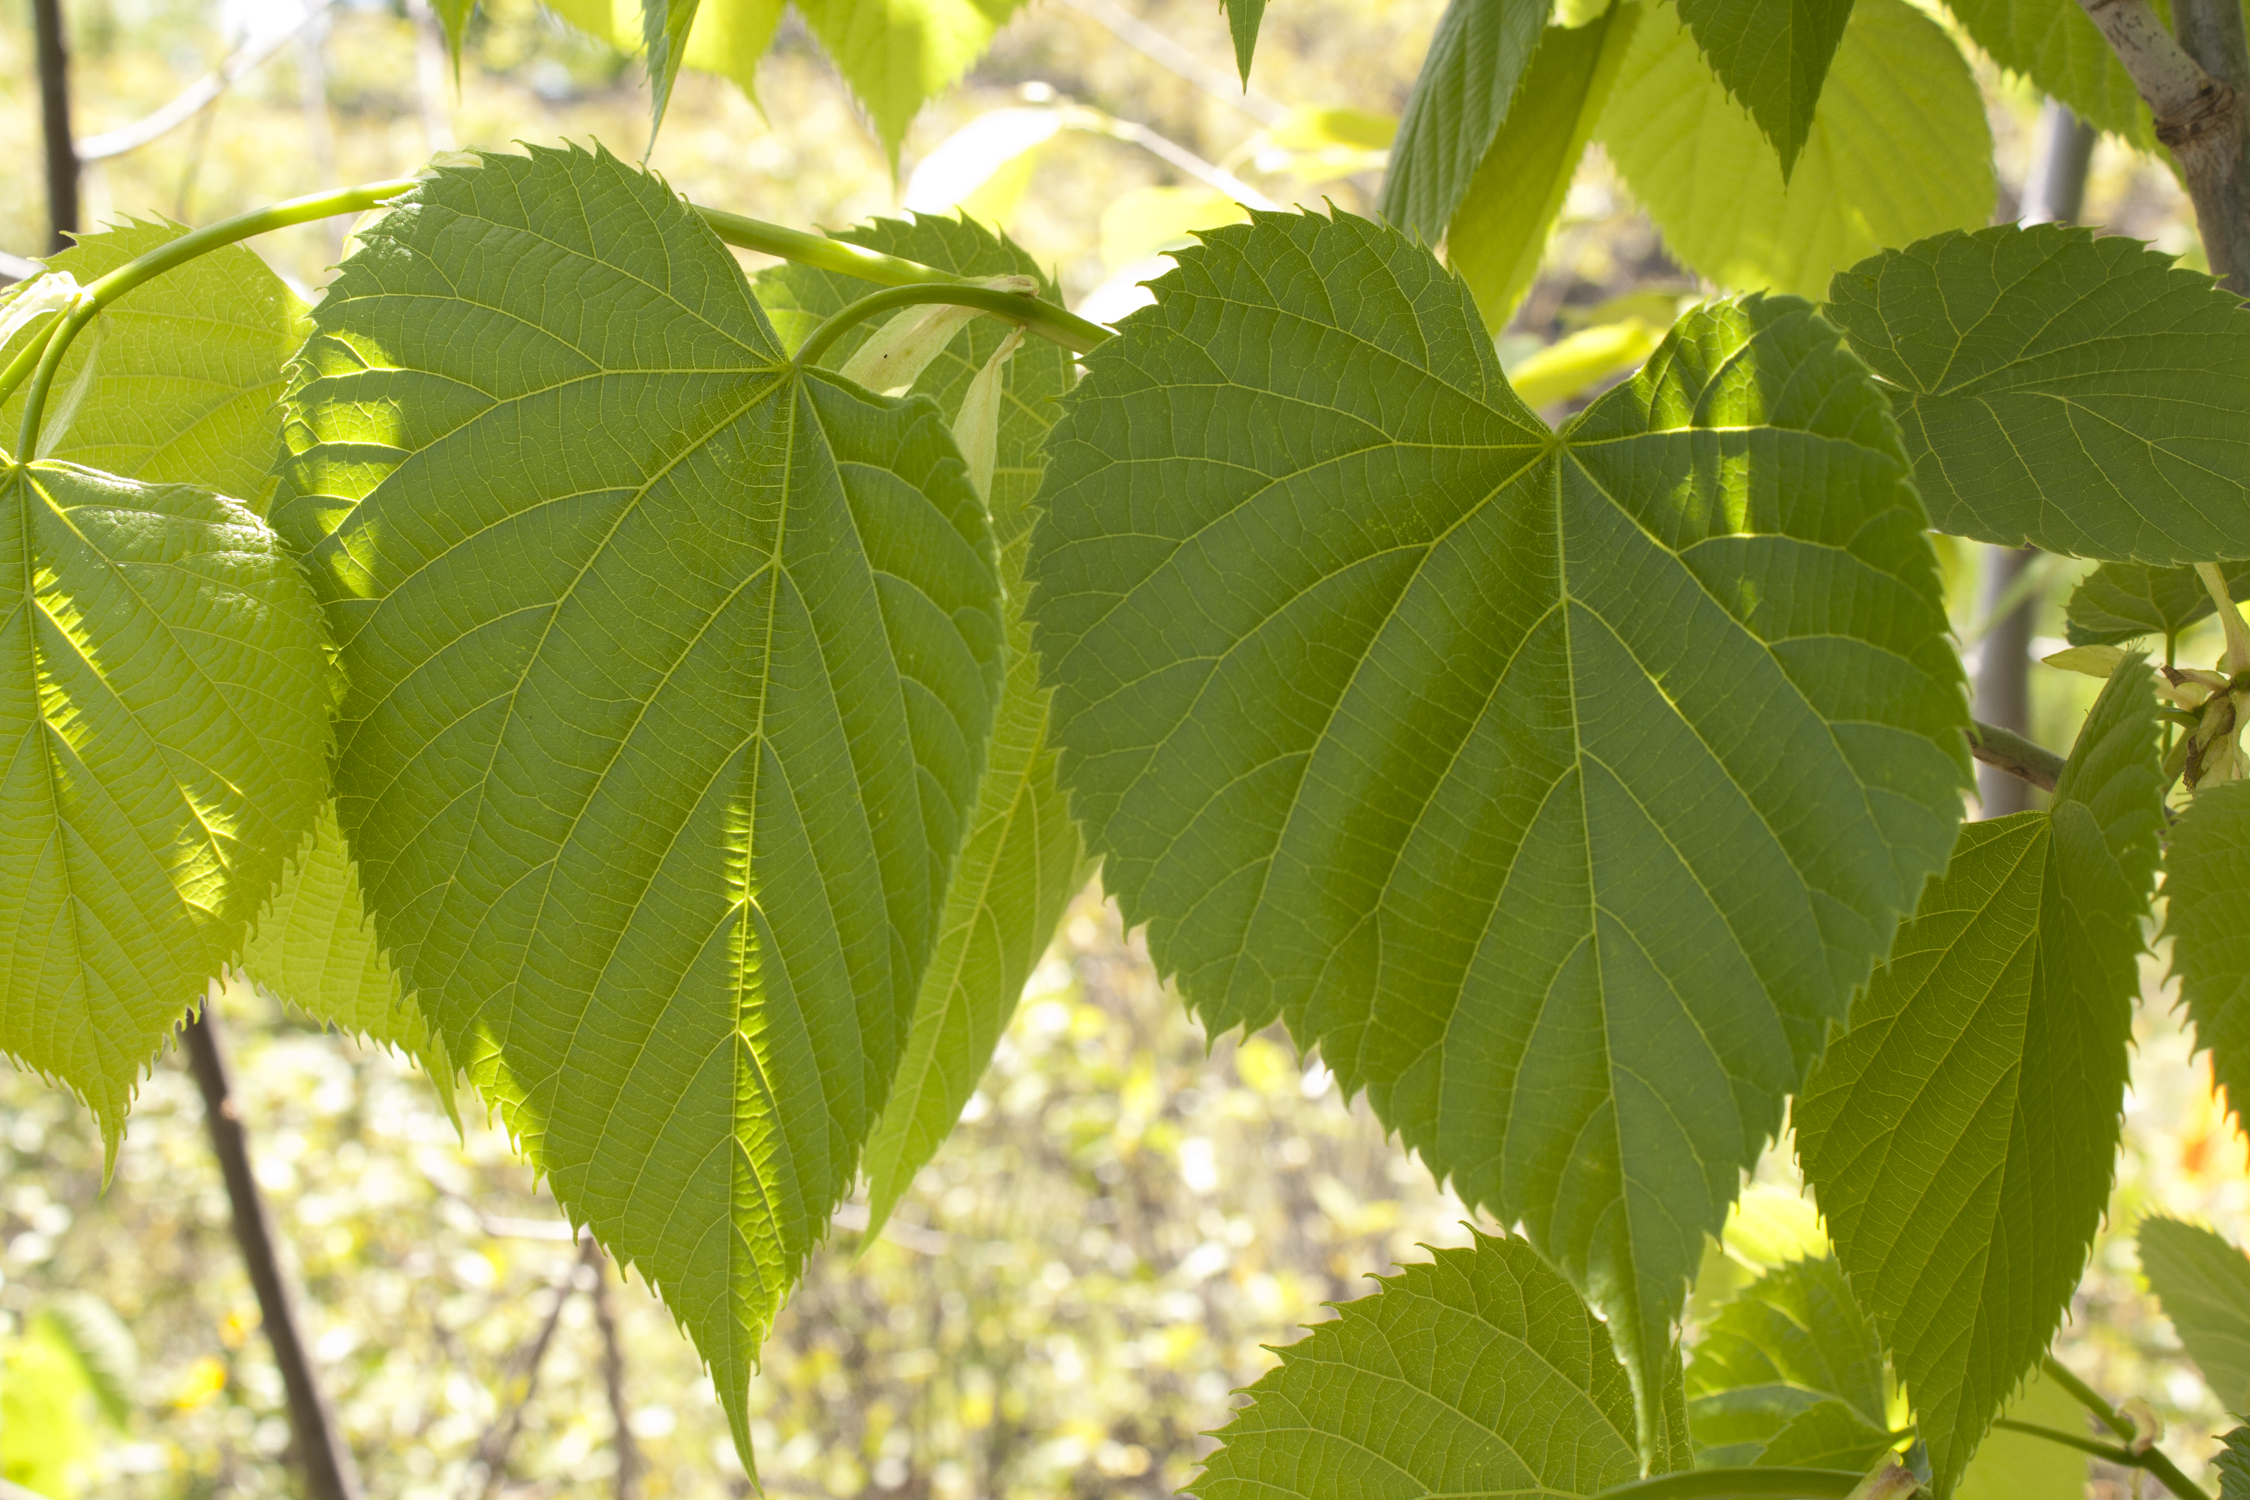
{"points": [[2203, 1283], [1773, 56], [1469, 80], [1789, 1373]]}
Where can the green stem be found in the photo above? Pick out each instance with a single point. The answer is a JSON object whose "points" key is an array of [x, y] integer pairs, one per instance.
{"points": [[103, 290], [2152, 1461], [820, 251], [2014, 754], [1740, 1484], [1029, 313]]}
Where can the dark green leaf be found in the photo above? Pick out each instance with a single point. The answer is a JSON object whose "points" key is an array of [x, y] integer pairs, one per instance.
{"points": [[1560, 788], [1467, 84], [2233, 1464], [664, 39], [1480, 1373], [1243, 20], [1773, 57], [1499, 233], [672, 667], [1023, 859], [1961, 1135], [2052, 43], [2083, 395], [1790, 1373], [2207, 916], [2120, 602], [2204, 1285]]}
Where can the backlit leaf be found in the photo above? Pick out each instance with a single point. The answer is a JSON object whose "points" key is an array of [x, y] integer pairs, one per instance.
{"points": [[175, 382], [1023, 859], [1961, 1135], [2204, 1285], [1560, 787], [1468, 82], [1477, 1373], [2207, 916], [2053, 44], [164, 700], [2080, 394], [1898, 149], [2120, 602], [1773, 56], [1790, 1373], [671, 668]]}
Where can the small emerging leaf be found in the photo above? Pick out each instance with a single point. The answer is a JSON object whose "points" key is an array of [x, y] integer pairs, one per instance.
{"points": [[2092, 661]]}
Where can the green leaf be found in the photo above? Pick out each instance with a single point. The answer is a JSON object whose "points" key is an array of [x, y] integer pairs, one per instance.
{"points": [[454, 16], [1243, 19], [1023, 859], [314, 949], [176, 382], [897, 55], [1898, 149], [164, 689], [1460, 100], [2207, 916], [1790, 1373], [1773, 56], [1499, 233], [2078, 394], [2233, 1463], [1605, 759], [2019, 1466], [665, 27], [2204, 1285], [672, 667], [2054, 45], [1961, 1135], [2120, 602], [101, 1343], [1477, 1373]]}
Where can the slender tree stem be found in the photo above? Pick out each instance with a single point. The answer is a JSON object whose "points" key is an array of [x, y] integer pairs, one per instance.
{"points": [[2152, 1461], [492, 1455], [626, 1484], [329, 1471], [2012, 753], [1740, 1484], [54, 116], [2199, 116], [1029, 313]]}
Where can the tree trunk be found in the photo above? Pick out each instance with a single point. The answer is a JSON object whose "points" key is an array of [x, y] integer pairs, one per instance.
{"points": [[54, 115], [329, 1471]]}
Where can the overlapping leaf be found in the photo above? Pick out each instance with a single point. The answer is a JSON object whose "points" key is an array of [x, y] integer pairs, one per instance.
{"points": [[1464, 94], [1898, 149], [2083, 395], [1499, 232], [2052, 43], [315, 949], [1773, 57], [1478, 1373], [177, 381], [671, 669], [1962, 1134], [2207, 916], [2233, 1464], [1790, 1373], [1559, 787], [164, 703], [1023, 859], [2120, 602], [2203, 1284]]}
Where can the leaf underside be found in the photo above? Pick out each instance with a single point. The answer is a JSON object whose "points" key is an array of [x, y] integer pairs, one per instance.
{"points": [[1559, 788], [2203, 1283], [2207, 916], [2052, 43], [1244, 17], [2077, 394], [1467, 86], [1790, 1373], [1773, 56], [1023, 859], [2120, 602], [1898, 149], [164, 698], [1960, 1136], [1479, 1373], [671, 671]]}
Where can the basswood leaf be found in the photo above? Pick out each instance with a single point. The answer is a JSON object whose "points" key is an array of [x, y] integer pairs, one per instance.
{"points": [[671, 669], [1023, 859], [1478, 1373], [1790, 1373], [177, 381], [164, 698], [665, 28], [2120, 602], [2052, 43], [2079, 394], [2204, 1285], [2233, 1463], [1463, 95], [1773, 57], [1898, 149], [1961, 1135], [315, 949], [1499, 233], [1243, 19], [2207, 916], [1559, 787]]}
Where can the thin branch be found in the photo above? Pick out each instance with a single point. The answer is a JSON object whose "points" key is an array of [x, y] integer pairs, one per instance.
{"points": [[1162, 50], [2012, 753], [2152, 1459], [54, 114], [492, 1453], [613, 1383], [329, 1470], [197, 96], [2151, 1462]]}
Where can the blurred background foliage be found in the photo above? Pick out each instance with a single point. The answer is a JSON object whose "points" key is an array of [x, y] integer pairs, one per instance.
{"points": [[1129, 1211]]}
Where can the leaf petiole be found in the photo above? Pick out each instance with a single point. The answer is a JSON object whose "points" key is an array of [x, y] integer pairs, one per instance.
{"points": [[1740, 1484], [1028, 313], [2152, 1460]]}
